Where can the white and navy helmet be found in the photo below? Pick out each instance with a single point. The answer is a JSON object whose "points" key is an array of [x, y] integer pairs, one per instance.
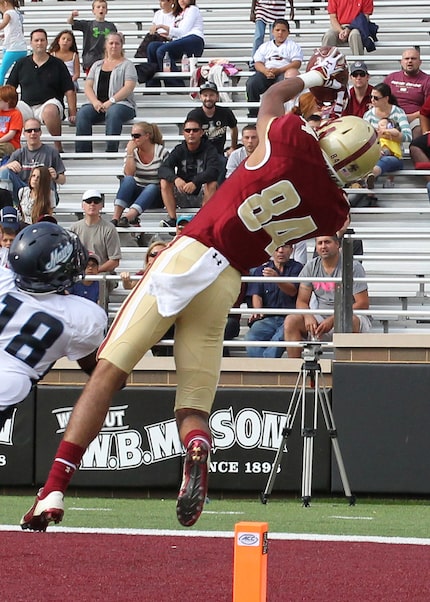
{"points": [[46, 258]]}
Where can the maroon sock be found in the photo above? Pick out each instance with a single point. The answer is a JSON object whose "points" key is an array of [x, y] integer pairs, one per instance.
{"points": [[197, 434], [67, 460]]}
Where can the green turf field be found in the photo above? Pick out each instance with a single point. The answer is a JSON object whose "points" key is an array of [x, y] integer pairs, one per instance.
{"points": [[374, 517]]}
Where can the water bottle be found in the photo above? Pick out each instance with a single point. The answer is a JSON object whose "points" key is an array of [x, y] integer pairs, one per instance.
{"points": [[185, 63], [166, 63]]}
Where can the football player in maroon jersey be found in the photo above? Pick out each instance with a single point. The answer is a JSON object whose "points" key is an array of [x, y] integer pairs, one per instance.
{"points": [[288, 190]]}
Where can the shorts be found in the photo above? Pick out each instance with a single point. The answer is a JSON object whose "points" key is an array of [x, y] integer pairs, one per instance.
{"points": [[365, 325], [199, 326], [35, 111]]}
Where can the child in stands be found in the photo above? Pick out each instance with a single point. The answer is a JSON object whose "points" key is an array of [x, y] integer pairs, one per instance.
{"points": [[10, 121], [90, 289], [14, 44], [64, 47], [37, 198], [94, 32]]}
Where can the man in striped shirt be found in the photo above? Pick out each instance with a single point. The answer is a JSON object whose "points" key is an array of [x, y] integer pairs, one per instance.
{"points": [[265, 12]]}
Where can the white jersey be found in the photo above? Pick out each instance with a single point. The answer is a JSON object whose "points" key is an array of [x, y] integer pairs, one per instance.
{"points": [[37, 330]]}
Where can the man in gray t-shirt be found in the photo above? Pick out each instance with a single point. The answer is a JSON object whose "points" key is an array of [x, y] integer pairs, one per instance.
{"points": [[328, 264]]}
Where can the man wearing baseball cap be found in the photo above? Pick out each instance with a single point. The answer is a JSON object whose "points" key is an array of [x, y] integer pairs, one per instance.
{"points": [[96, 234], [359, 93], [215, 122]]}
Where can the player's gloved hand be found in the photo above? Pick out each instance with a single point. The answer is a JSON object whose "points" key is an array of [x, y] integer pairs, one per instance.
{"points": [[329, 67]]}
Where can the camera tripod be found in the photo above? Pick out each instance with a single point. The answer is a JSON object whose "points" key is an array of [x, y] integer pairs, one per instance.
{"points": [[310, 368]]}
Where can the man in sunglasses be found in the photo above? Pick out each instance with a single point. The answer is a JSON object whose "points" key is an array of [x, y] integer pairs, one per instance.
{"points": [[16, 173], [288, 190], [99, 236], [188, 176], [359, 93]]}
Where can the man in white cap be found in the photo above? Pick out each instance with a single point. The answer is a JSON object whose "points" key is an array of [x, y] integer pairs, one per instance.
{"points": [[98, 235]]}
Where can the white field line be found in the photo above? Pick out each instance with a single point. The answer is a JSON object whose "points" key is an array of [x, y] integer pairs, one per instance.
{"points": [[419, 541]]}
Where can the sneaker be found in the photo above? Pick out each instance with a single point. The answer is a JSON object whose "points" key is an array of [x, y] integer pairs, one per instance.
{"points": [[194, 486], [123, 222], [48, 510], [388, 184], [370, 181], [169, 222], [114, 222]]}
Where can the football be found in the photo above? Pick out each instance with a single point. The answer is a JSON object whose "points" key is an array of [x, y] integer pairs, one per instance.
{"points": [[320, 92]]}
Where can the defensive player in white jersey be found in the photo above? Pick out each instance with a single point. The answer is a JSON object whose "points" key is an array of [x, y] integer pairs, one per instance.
{"points": [[289, 189], [38, 324]]}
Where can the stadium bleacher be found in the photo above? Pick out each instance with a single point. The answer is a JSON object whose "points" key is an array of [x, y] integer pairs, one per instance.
{"points": [[395, 233]]}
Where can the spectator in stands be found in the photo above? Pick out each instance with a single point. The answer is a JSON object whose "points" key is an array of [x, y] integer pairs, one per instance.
{"points": [[37, 198], [182, 221], [9, 228], [44, 81], [249, 144], [94, 33], [64, 47], [189, 175], [186, 36], [89, 289], [153, 250], [98, 235], [140, 188], [14, 42], [328, 264], [342, 13], [420, 146], [384, 106], [272, 295], [215, 121], [265, 12], [152, 253], [164, 16], [411, 87], [10, 121], [109, 88], [359, 93], [273, 61], [16, 173]]}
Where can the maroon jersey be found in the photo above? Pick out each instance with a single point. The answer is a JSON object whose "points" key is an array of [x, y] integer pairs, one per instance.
{"points": [[288, 197]]}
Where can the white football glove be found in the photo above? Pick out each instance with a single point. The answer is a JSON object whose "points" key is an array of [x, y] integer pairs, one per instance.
{"points": [[329, 67]]}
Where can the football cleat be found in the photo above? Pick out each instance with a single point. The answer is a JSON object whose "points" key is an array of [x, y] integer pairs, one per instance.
{"points": [[44, 511], [194, 486]]}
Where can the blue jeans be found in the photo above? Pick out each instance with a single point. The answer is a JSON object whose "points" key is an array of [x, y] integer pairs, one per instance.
{"points": [[189, 45], [9, 58], [389, 163], [270, 328], [130, 194], [115, 117], [259, 33], [14, 182]]}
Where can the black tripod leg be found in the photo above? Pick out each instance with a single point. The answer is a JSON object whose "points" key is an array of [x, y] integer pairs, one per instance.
{"points": [[308, 434], [291, 414], [332, 431]]}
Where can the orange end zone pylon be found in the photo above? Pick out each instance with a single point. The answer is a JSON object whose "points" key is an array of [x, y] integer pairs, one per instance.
{"points": [[250, 562]]}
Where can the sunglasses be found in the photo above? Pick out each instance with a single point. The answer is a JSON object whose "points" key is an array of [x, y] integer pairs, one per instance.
{"points": [[193, 130], [91, 201], [359, 74], [29, 130], [136, 136], [375, 97]]}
